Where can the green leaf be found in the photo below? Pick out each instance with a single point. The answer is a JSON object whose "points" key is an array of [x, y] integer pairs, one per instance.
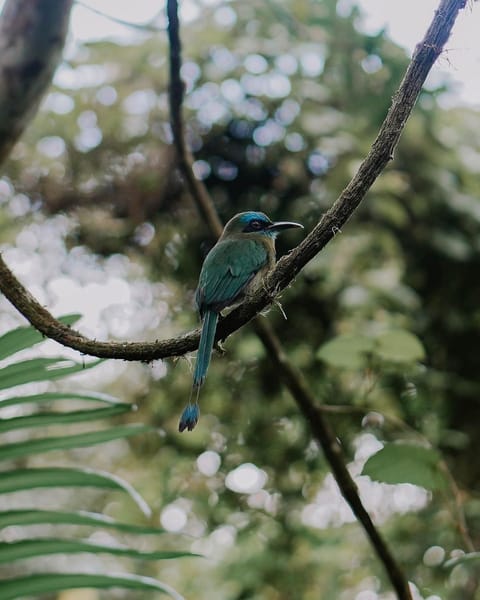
{"points": [[26, 337], [26, 517], [399, 346], [45, 583], [46, 369], [40, 369], [18, 449], [53, 396], [28, 479], [347, 351], [406, 463], [354, 351], [46, 419], [10, 551]]}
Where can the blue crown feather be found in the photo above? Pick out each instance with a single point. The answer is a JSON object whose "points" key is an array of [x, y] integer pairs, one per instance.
{"points": [[254, 216]]}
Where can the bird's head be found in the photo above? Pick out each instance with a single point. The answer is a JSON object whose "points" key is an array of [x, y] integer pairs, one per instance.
{"points": [[256, 223]]}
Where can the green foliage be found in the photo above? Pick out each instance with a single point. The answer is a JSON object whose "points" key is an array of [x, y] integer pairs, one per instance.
{"points": [[11, 551], [15, 479], [406, 463], [36, 517], [400, 346], [25, 337], [53, 477], [54, 582], [40, 369], [15, 450], [347, 351], [356, 351]]}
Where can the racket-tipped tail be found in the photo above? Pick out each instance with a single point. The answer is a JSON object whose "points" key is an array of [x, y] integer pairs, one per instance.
{"points": [[189, 418]]}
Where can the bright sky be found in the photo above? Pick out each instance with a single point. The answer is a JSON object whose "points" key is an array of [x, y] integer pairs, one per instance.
{"points": [[405, 22]]}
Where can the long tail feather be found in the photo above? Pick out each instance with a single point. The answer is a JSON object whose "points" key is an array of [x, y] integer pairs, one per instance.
{"points": [[191, 412], [205, 347]]}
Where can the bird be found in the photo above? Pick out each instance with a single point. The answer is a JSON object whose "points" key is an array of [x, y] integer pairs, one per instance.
{"points": [[232, 270]]}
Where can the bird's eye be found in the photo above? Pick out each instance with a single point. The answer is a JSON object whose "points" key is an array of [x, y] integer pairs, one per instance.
{"points": [[256, 224]]}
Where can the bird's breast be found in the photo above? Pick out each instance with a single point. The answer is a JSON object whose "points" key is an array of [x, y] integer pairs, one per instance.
{"points": [[256, 282]]}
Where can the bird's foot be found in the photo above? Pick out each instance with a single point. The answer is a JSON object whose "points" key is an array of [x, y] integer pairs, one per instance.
{"points": [[219, 347]]}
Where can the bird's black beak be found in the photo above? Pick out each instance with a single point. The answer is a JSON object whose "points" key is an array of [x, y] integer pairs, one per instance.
{"points": [[281, 225]]}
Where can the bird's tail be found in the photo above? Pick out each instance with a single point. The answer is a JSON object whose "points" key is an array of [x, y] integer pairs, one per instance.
{"points": [[191, 413], [205, 348]]}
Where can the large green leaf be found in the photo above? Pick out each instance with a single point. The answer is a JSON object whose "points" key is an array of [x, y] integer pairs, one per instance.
{"points": [[10, 551], [25, 517], [399, 345], [355, 351], [347, 351], [29, 479], [406, 463], [46, 419], [53, 396], [46, 369], [40, 369], [24, 337], [53, 582], [18, 449]]}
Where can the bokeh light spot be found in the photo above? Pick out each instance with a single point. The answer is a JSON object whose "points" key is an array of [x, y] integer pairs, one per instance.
{"points": [[208, 463], [434, 556], [256, 64], [107, 95], [51, 146], [246, 479], [173, 518]]}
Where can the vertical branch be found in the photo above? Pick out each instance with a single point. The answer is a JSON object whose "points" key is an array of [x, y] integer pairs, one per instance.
{"points": [[177, 88], [196, 188], [293, 379], [324, 434]]}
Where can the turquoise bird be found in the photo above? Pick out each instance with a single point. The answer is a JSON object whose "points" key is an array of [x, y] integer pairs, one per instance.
{"points": [[232, 270]]}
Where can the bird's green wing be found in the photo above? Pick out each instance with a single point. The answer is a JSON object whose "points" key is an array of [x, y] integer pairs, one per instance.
{"points": [[227, 270]]}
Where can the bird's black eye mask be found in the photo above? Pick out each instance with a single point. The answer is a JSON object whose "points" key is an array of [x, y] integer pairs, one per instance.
{"points": [[255, 225]]}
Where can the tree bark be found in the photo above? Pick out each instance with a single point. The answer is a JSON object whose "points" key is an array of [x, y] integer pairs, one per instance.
{"points": [[32, 36]]}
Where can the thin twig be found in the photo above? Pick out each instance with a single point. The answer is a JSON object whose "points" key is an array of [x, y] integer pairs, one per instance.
{"points": [[145, 27]]}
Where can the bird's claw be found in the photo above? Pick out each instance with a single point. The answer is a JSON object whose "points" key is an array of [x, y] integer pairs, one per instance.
{"points": [[219, 347]]}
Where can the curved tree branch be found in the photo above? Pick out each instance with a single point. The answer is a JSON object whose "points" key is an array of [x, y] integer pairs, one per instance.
{"points": [[43, 320], [289, 266], [32, 36]]}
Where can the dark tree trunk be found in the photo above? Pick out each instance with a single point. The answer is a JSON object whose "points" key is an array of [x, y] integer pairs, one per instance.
{"points": [[32, 36]]}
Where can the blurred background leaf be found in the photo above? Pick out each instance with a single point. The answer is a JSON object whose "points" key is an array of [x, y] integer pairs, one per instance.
{"points": [[406, 463]]}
